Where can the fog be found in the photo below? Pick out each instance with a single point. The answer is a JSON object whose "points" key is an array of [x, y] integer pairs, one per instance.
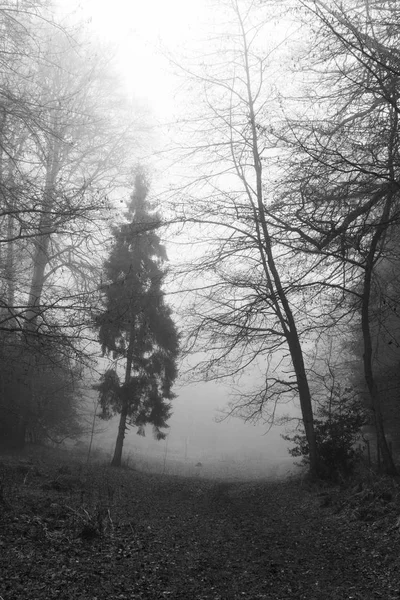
{"points": [[231, 449]]}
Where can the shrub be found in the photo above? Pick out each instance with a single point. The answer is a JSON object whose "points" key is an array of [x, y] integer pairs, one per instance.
{"points": [[337, 432]]}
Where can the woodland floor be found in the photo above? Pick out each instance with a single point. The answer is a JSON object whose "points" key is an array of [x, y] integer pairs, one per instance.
{"points": [[72, 532]]}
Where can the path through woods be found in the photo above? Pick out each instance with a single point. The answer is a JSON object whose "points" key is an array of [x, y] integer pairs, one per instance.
{"points": [[67, 532]]}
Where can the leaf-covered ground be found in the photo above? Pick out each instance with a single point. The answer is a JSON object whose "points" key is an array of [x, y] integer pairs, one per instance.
{"points": [[71, 532]]}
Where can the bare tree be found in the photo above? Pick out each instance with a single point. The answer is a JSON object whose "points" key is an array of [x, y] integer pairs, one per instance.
{"points": [[342, 187], [248, 308], [66, 150]]}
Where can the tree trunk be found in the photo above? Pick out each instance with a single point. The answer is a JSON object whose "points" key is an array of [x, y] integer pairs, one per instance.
{"points": [[40, 261], [316, 468], [387, 460], [10, 265], [117, 458], [42, 241], [273, 279]]}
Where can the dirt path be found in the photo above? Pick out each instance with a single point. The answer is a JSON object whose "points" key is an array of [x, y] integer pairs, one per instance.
{"points": [[109, 534], [273, 541]]}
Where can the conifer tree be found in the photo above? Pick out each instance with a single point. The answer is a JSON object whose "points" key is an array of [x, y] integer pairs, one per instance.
{"points": [[136, 324]]}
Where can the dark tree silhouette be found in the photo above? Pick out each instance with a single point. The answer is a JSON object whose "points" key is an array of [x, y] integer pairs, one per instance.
{"points": [[340, 202], [136, 324]]}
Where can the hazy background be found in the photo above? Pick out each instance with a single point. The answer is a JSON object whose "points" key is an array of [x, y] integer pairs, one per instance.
{"points": [[228, 449], [143, 34]]}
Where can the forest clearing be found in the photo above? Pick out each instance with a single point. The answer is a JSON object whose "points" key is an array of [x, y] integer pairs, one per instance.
{"points": [[71, 530]]}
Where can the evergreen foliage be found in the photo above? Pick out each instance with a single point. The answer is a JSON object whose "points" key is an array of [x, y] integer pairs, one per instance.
{"points": [[136, 324], [337, 429]]}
